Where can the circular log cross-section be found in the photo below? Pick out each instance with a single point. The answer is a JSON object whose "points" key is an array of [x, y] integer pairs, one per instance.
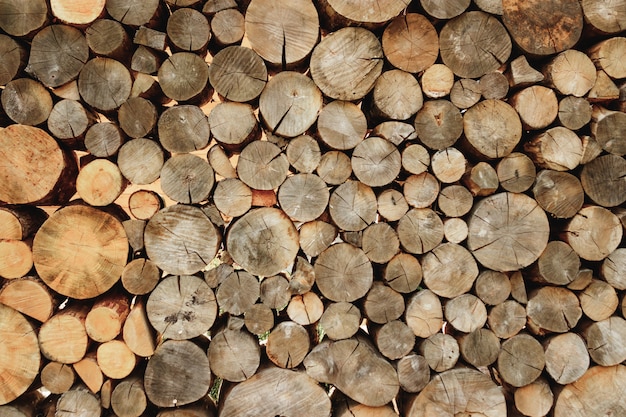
{"points": [[521, 360], [188, 30], [184, 76], [168, 380], [181, 239], [341, 125], [104, 84], [474, 44], [20, 359], [449, 270], [262, 165], [493, 128], [35, 168], [452, 393], [507, 231], [346, 63], [289, 103], [604, 180], [132, 12], [303, 197], [237, 73], [107, 37], [376, 162], [343, 273], [594, 233], [58, 53], [282, 32], [80, 252], [352, 206], [368, 13], [187, 178], [182, 307], [21, 18], [542, 27], [264, 241], [411, 43], [26, 102], [183, 129]]}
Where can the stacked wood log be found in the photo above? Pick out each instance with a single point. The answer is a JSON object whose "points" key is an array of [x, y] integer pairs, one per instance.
{"points": [[312, 208]]}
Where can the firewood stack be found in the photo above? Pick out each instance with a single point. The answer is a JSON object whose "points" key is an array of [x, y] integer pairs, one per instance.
{"points": [[312, 208]]}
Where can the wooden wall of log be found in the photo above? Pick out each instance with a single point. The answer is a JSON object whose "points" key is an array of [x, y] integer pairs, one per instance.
{"points": [[312, 208]]}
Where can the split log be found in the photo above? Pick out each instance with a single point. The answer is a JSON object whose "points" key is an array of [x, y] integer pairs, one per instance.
{"points": [[305, 309], [150, 38], [335, 362], [234, 355], [220, 162], [283, 33], [184, 77], [604, 89], [613, 268], [237, 73], [30, 296], [458, 392], [593, 394], [88, 370], [20, 358], [167, 380], [438, 124], [289, 103], [63, 338], [107, 37], [52, 61], [57, 377], [316, 236], [181, 239], [288, 344], [188, 30], [411, 43], [355, 65], [547, 149], [507, 231], [104, 84], [304, 398], [273, 236], [146, 60], [566, 357], [481, 179], [521, 360], [87, 247], [137, 332], [543, 28], [492, 128], [559, 193], [484, 42], [465, 93], [26, 102]]}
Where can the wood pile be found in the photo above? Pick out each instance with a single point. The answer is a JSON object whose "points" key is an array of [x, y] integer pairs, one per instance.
{"points": [[312, 208]]}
